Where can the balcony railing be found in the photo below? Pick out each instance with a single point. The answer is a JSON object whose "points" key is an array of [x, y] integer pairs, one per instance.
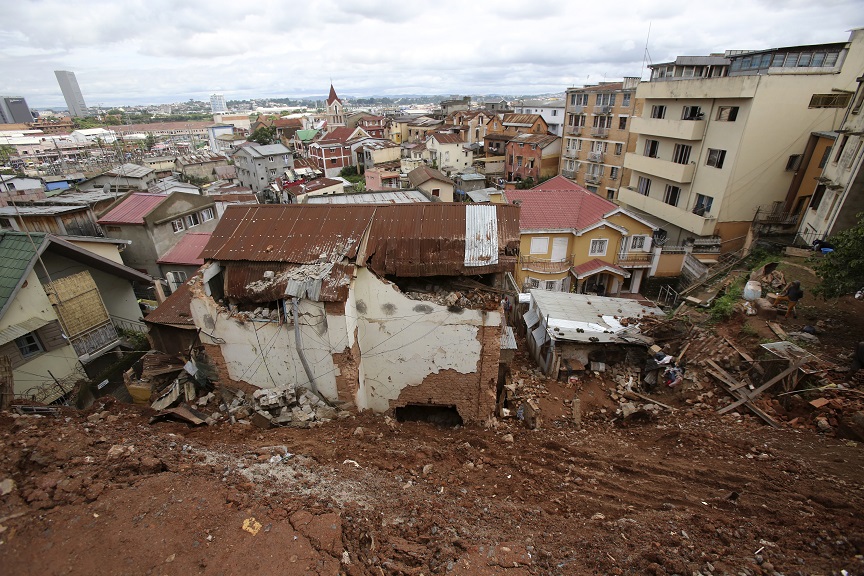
{"points": [[636, 259], [577, 109], [568, 173], [593, 178], [574, 130], [95, 339], [570, 153], [602, 109], [545, 265], [595, 156], [600, 132]]}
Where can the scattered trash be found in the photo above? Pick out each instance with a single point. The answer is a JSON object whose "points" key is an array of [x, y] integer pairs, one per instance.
{"points": [[251, 525]]}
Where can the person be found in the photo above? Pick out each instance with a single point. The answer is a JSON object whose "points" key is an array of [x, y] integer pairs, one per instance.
{"points": [[821, 245], [791, 295]]}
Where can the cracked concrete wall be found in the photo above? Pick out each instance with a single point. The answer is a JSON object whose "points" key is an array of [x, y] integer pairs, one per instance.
{"points": [[403, 342]]}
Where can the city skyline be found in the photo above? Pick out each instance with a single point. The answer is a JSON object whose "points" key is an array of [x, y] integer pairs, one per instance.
{"points": [[378, 47]]}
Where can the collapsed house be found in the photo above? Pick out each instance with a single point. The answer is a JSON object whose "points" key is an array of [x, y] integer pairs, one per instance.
{"points": [[574, 332], [373, 306]]}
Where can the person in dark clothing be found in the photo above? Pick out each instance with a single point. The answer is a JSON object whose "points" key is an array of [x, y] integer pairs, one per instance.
{"points": [[791, 295], [818, 245]]}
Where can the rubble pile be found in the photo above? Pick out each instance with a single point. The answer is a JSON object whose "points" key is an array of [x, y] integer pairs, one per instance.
{"points": [[467, 298], [268, 407]]}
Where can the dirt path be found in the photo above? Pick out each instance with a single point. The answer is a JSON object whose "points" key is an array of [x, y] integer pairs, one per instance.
{"points": [[688, 492]]}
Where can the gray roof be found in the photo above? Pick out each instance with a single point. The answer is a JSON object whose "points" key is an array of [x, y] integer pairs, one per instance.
{"points": [[380, 197], [257, 151], [481, 195], [580, 317], [129, 170], [7, 211]]}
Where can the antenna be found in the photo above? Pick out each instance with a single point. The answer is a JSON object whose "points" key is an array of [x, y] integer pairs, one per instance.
{"points": [[646, 55]]}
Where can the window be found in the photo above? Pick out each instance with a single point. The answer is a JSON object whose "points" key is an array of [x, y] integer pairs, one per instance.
{"points": [[622, 123], [652, 147], [794, 163], [817, 196], [177, 225], [175, 279], [672, 194], [207, 215], [703, 205], [658, 111], [692, 113], [619, 148], [830, 100], [727, 113], [840, 148], [598, 247], [592, 189], [5, 223], [637, 243], [681, 155], [552, 284], [610, 194], [644, 187], [192, 220], [715, 157], [29, 345], [436, 192], [534, 282], [626, 102], [554, 112], [613, 172], [540, 245]]}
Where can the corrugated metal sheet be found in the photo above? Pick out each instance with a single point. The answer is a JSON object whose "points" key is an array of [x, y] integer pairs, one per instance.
{"points": [[481, 235], [14, 331], [187, 252], [324, 282], [174, 310], [421, 239], [508, 338], [133, 209]]}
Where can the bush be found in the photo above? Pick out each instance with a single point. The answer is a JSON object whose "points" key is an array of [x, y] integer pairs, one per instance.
{"points": [[724, 306]]}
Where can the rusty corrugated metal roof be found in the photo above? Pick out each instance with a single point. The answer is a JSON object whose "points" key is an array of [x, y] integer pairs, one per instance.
{"points": [[174, 310], [187, 251], [423, 239], [133, 209]]}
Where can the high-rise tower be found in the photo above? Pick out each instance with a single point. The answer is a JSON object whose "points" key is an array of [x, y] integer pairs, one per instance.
{"points": [[71, 93]]}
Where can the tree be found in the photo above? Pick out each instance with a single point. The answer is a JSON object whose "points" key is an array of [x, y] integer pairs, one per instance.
{"points": [[6, 152], [263, 136], [842, 271], [149, 141]]}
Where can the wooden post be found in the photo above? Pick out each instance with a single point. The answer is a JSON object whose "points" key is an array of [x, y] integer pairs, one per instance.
{"points": [[577, 412], [7, 383]]}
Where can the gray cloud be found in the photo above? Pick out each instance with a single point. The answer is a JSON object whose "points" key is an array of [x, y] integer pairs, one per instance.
{"points": [[139, 51]]}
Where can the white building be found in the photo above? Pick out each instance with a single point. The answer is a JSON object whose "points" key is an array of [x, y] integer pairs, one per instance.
{"points": [[92, 135], [712, 147], [217, 103], [552, 112]]}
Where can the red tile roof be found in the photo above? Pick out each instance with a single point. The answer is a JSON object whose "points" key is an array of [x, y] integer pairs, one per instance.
{"points": [[341, 134], [558, 183], [288, 123], [174, 310], [559, 209], [187, 252], [596, 265], [133, 209]]}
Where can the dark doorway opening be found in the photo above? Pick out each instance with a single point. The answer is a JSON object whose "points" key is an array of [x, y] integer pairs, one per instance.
{"points": [[445, 416]]}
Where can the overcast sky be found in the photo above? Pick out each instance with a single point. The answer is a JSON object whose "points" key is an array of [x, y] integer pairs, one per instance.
{"points": [[155, 51]]}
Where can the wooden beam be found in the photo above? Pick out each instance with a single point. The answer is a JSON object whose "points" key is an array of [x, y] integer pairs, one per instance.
{"points": [[778, 330], [633, 395], [752, 407], [681, 354], [758, 391]]}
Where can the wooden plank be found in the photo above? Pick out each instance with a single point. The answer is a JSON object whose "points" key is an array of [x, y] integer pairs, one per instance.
{"points": [[752, 407], [778, 330], [728, 378], [758, 391], [635, 395], [681, 354]]}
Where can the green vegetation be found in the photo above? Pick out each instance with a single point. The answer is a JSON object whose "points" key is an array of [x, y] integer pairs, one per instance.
{"points": [[6, 152], [842, 271], [264, 135], [526, 183], [724, 306], [350, 174]]}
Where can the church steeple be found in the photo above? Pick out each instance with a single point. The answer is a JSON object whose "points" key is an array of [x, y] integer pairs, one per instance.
{"points": [[332, 96], [335, 114]]}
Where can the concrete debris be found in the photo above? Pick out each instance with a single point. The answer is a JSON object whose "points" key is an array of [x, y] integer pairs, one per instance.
{"points": [[7, 486]]}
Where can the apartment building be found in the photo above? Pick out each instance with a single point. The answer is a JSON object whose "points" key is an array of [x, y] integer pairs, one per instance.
{"points": [[597, 135], [838, 197], [552, 112], [717, 141]]}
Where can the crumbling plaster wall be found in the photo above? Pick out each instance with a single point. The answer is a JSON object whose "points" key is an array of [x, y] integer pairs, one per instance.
{"points": [[403, 342], [264, 354]]}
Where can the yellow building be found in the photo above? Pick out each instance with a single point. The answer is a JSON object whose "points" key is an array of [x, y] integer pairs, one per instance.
{"points": [[572, 240]]}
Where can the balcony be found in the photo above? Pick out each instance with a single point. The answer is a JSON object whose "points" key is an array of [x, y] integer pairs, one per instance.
{"points": [[635, 259], [574, 130], [568, 173], [595, 156], [682, 173], [698, 225], [602, 109], [545, 265], [593, 178], [570, 153], [94, 340], [600, 132], [677, 129], [577, 109]]}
